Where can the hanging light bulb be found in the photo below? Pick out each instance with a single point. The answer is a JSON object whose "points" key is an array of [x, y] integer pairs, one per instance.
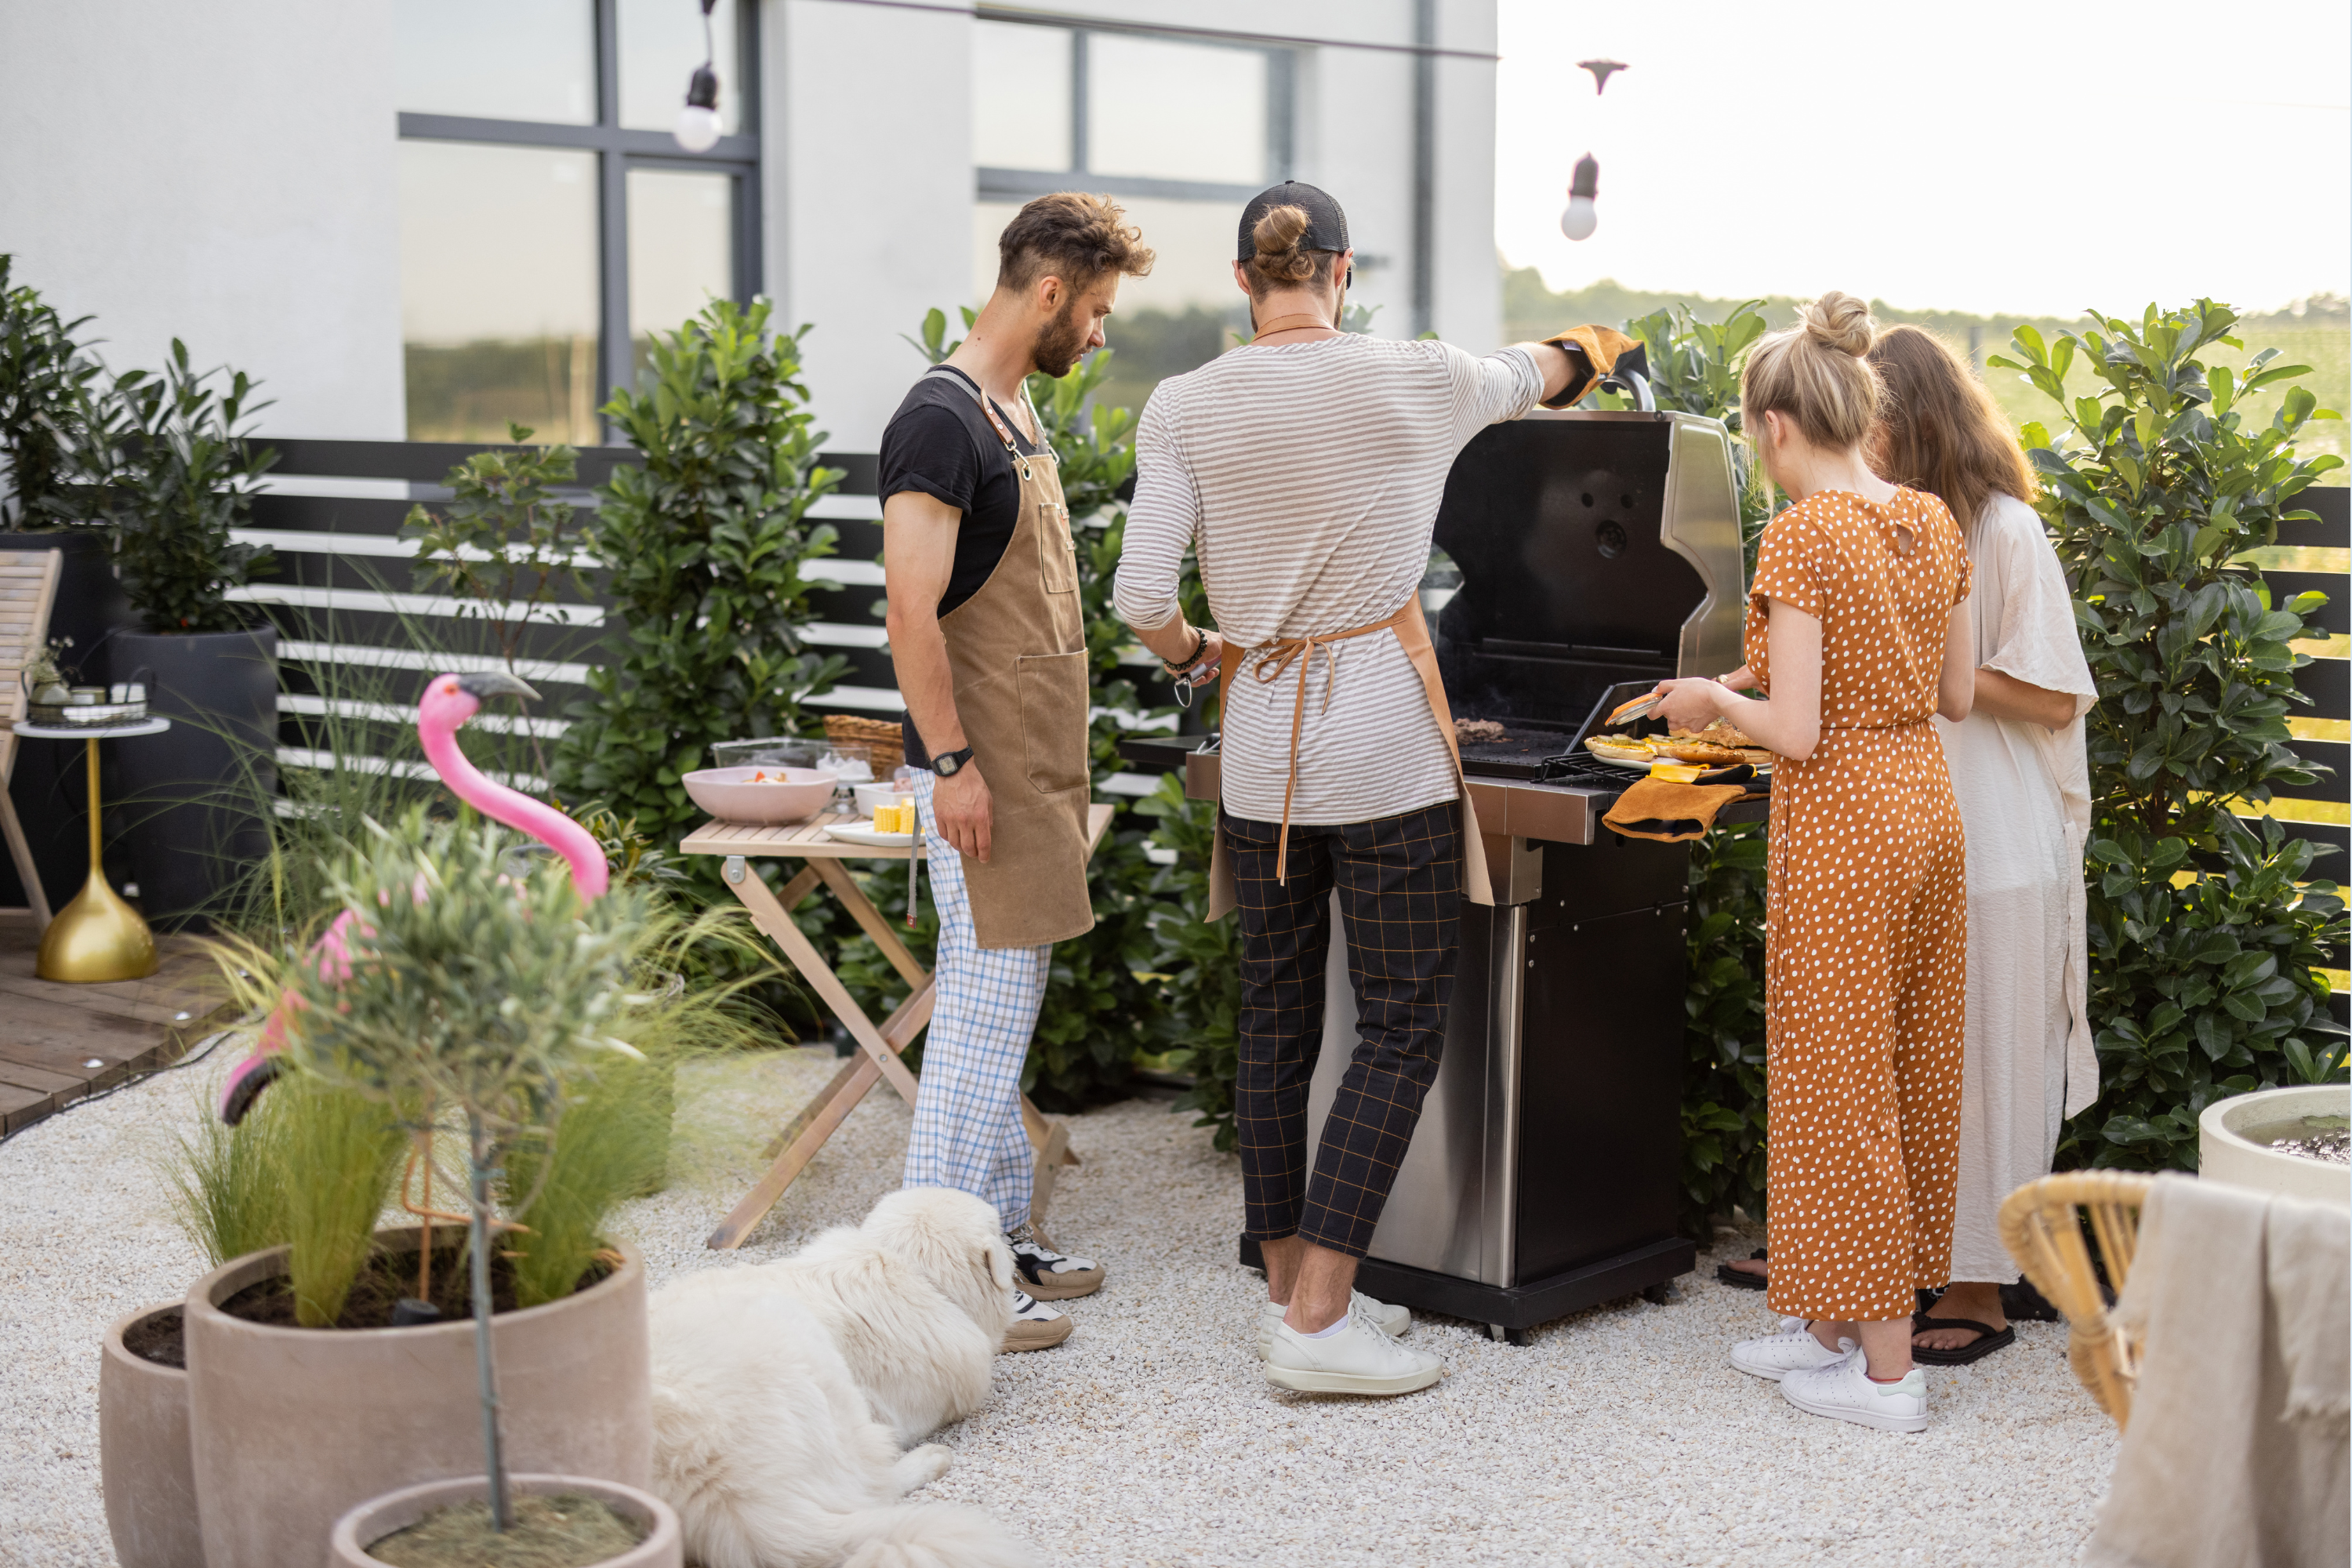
{"points": [[1579, 220], [697, 122]]}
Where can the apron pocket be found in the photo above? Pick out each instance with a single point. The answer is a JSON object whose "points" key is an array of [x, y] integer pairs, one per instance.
{"points": [[1054, 704], [1058, 551]]}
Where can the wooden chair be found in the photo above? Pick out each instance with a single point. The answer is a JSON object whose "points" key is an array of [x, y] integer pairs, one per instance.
{"points": [[2041, 1225], [29, 588]]}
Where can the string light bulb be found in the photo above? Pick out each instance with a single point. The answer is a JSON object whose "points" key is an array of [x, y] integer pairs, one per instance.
{"points": [[698, 124], [1580, 219]]}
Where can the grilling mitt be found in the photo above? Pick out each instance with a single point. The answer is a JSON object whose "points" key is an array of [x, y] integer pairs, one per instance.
{"points": [[1593, 353], [1670, 811]]}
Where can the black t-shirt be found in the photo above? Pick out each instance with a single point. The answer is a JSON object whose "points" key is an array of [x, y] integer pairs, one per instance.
{"points": [[941, 444]]}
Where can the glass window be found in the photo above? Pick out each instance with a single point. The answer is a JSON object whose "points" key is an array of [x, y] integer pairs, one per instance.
{"points": [[1021, 96], [513, 304], [660, 45], [498, 291], [682, 249], [499, 60], [1175, 112]]}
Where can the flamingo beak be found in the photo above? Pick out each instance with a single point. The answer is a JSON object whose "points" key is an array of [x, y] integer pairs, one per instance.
{"points": [[487, 684]]}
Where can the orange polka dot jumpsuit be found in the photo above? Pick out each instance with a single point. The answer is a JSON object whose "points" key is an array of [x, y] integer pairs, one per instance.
{"points": [[1866, 915]]}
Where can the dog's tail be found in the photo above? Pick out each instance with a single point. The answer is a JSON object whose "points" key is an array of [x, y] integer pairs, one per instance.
{"points": [[929, 1536]]}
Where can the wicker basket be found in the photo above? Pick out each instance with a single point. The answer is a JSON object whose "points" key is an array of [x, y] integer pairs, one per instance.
{"points": [[879, 740]]}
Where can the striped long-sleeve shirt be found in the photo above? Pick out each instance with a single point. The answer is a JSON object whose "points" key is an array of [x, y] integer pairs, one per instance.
{"points": [[1306, 477]]}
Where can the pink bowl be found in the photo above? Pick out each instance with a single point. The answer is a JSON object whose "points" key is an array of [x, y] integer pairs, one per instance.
{"points": [[787, 794]]}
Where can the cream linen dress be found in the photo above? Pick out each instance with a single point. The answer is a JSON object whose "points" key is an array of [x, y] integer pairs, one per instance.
{"points": [[2026, 800]]}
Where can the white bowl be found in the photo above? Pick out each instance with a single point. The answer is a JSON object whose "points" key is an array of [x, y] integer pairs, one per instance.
{"points": [[2226, 1153], [870, 795], [786, 795]]}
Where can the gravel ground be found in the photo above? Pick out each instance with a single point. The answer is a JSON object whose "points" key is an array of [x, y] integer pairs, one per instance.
{"points": [[1619, 1437]]}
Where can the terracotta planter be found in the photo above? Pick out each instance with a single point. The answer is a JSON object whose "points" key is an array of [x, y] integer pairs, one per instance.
{"points": [[290, 1426], [379, 1517], [142, 1456]]}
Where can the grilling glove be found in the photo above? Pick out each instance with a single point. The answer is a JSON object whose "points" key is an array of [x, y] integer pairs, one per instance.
{"points": [[1593, 353]]}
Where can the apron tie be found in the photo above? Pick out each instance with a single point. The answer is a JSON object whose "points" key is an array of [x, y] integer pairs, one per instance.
{"points": [[1270, 660]]}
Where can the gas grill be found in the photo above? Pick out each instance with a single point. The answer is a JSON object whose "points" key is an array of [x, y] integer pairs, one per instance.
{"points": [[1596, 553]]}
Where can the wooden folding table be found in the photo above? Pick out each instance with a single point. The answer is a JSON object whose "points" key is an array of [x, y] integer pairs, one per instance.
{"points": [[878, 1045]]}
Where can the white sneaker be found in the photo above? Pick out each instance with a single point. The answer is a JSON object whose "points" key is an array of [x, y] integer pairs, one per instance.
{"points": [[1359, 1359], [1843, 1390], [1392, 1321], [1794, 1349], [1035, 1326]]}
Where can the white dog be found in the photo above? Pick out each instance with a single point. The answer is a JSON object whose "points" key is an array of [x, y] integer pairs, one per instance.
{"points": [[784, 1392]]}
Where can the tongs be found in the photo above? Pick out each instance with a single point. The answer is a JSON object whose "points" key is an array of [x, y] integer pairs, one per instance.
{"points": [[1639, 708]]}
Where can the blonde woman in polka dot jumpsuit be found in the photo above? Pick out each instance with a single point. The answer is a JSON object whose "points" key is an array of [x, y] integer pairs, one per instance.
{"points": [[1857, 629]]}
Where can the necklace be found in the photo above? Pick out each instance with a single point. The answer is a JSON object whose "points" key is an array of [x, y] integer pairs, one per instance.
{"points": [[1297, 322]]}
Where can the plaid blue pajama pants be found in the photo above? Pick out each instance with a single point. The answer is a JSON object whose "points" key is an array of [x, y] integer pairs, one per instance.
{"points": [[967, 1133]]}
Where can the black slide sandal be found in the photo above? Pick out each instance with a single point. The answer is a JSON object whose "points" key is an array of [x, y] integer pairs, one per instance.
{"points": [[1988, 1341], [1739, 1278]]}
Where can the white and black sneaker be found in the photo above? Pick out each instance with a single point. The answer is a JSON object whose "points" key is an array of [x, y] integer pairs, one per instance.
{"points": [[1035, 1326], [1045, 1273]]}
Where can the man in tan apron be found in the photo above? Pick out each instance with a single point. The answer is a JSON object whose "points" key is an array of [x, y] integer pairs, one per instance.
{"points": [[1304, 471], [990, 649]]}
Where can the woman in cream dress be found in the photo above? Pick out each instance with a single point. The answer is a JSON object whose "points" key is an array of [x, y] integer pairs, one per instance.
{"points": [[2017, 767]]}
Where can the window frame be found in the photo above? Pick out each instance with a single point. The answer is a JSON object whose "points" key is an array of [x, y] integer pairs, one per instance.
{"points": [[618, 150], [992, 183]]}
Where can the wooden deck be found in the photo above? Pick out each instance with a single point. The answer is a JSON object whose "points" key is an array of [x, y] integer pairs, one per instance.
{"points": [[59, 1042]]}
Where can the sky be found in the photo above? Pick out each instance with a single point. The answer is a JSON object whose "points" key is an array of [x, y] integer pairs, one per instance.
{"points": [[1989, 157]]}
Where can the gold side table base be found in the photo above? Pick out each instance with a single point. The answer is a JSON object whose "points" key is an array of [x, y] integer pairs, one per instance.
{"points": [[97, 937]]}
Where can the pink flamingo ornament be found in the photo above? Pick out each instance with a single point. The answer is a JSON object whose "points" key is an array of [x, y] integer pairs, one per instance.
{"points": [[449, 700]]}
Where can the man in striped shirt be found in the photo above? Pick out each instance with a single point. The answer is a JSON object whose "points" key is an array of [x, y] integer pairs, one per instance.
{"points": [[1304, 470]]}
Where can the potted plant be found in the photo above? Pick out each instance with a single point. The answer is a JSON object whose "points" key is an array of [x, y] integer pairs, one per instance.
{"points": [[485, 1010], [46, 374], [180, 473]]}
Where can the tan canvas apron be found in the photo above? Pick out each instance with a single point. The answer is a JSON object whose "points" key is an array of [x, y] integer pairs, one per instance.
{"points": [[1270, 661], [1017, 651]]}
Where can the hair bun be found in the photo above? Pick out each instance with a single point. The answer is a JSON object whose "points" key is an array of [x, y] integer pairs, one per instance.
{"points": [[1277, 233], [1839, 321]]}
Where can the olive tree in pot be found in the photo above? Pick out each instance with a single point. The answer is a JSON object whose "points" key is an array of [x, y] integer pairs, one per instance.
{"points": [[174, 458], [486, 1005]]}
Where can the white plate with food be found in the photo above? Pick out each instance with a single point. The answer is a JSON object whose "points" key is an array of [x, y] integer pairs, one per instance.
{"points": [[872, 839]]}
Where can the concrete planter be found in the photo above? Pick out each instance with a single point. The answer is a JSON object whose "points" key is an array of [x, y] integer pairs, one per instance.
{"points": [[142, 1456], [291, 1428], [2225, 1154], [371, 1520]]}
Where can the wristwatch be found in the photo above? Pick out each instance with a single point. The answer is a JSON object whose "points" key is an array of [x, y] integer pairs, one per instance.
{"points": [[947, 765]]}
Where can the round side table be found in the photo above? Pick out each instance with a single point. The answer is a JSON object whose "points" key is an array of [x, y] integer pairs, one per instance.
{"points": [[98, 936]]}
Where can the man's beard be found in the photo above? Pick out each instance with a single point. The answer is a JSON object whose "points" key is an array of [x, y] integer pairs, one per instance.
{"points": [[1059, 342]]}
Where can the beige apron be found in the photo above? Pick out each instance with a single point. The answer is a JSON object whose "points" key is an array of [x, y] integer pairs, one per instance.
{"points": [[1017, 651], [1267, 662]]}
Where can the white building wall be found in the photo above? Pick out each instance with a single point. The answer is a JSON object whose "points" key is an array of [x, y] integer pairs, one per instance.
{"points": [[867, 170], [220, 172]]}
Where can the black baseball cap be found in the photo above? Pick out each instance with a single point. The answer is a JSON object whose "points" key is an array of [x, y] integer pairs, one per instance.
{"points": [[1327, 226]]}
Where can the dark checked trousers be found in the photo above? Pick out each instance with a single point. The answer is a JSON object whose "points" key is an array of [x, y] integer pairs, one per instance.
{"points": [[1400, 884]]}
